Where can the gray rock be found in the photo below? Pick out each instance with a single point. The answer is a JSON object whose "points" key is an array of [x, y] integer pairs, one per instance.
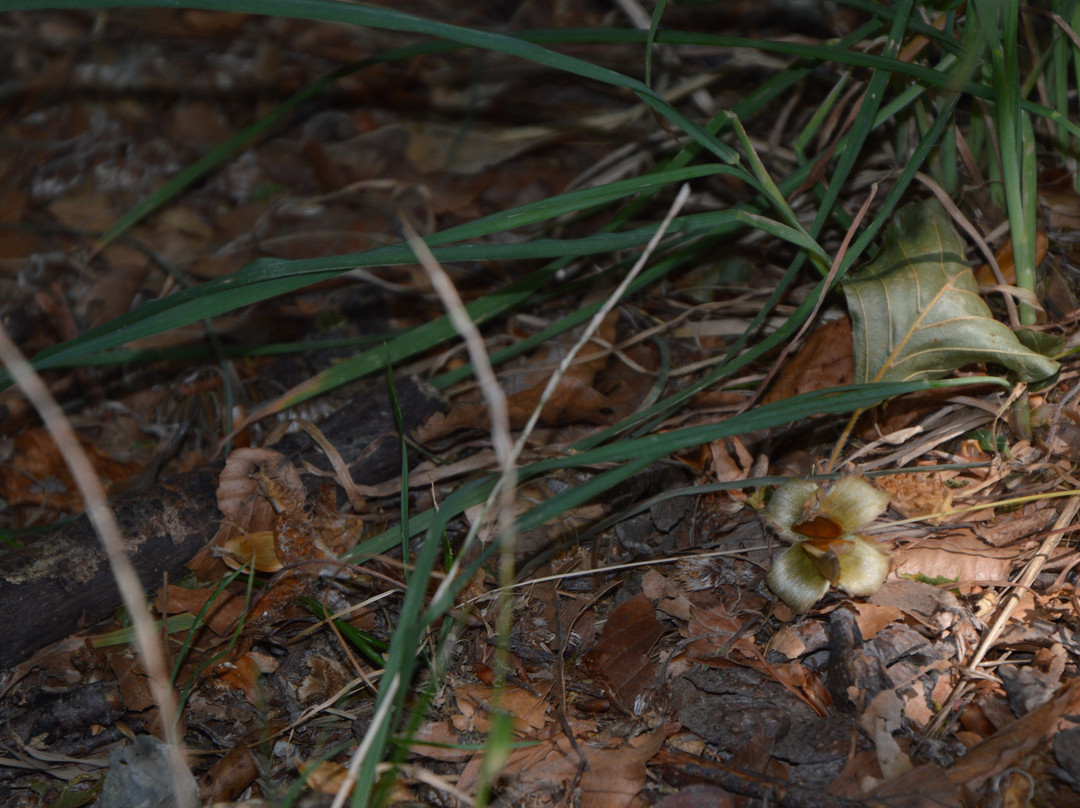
{"points": [[139, 777]]}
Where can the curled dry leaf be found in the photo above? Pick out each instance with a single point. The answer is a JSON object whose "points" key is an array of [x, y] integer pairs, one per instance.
{"points": [[917, 494], [253, 487], [916, 311], [254, 476]]}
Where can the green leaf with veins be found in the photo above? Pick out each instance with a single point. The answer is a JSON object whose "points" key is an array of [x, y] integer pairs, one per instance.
{"points": [[916, 311]]}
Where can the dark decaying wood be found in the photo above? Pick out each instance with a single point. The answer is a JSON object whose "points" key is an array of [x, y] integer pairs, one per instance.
{"points": [[64, 582]]}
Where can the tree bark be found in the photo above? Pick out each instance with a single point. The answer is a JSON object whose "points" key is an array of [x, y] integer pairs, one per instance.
{"points": [[63, 582]]}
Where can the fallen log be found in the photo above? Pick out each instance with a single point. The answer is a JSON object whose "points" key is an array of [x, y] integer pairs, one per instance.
{"points": [[62, 582]]}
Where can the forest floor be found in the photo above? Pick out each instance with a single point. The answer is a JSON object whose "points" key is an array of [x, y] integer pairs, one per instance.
{"points": [[647, 660]]}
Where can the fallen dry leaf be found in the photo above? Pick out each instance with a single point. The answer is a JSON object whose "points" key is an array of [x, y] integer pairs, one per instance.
{"points": [[621, 657], [932, 606], [244, 548], [916, 494], [575, 399], [1004, 257], [241, 674], [439, 740], [245, 487], [872, 618], [572, 402], [228, 777], [614, 774], [476, 702], [825, 360], [35, 473], [221, 615], [959, 556], [1002, 751]]}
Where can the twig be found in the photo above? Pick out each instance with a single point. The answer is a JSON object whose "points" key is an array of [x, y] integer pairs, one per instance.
{"points": [[1023, 583]]}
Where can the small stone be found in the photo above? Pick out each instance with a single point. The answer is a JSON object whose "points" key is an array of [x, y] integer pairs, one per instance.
{"points": [[140, 776]]}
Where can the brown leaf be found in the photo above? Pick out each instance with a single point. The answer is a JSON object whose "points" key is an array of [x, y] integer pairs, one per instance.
{"points": [[250, 479], [614, 775], [626, 386], [825, 360], [134, 685], [1004, 257], [931, 606], [326, 777], [221, 615], [699, 796], [1003, 529], [256, 475], [572, 402], [244, 548], [37, 474], [87, 210], [326, 679], [872, 618], [714, 630], [227, 779], [242, 675], [904, 411], [112, 293], [1060, 200], [915, 494], [477, 701], [959, 556], [621, 656], [433, 147], [439, 740]]}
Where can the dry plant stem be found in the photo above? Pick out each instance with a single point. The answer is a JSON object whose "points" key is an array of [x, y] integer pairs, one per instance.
{"points": [[1060, 22], [436, 782], [380, 716], [977, 239], [105, 525], [489, 385], [505, 487], [636, 14], [848, 236], [1005, 610], [347, 689], [652, 562], [598, 318], [496, 400]]}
